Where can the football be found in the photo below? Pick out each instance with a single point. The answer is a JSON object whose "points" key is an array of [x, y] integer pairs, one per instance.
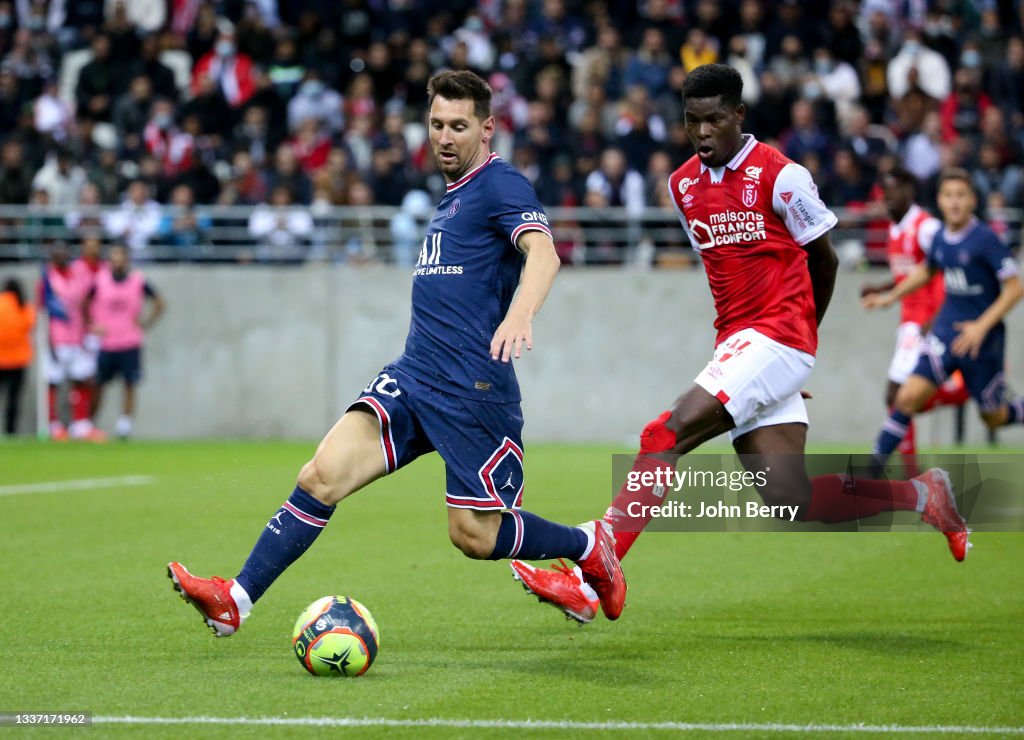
{"points": [[336, 636]]}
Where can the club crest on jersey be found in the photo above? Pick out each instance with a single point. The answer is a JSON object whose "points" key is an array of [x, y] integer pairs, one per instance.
{"points": [[454, 207], [749, 194]]}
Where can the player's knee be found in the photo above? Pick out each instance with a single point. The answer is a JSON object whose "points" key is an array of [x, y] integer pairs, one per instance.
{"points": [[657, 437], [474, 541], [909, 400], [786, 490]]}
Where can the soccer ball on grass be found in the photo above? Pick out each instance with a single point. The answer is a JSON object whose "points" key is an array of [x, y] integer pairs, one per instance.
{"points": [[336, 636]]}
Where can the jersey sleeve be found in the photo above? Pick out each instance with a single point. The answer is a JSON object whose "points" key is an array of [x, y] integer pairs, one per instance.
{"points": [[148, 290], [999, 258], [926, 234], [682, 218], [795, 199], [517, 210]]}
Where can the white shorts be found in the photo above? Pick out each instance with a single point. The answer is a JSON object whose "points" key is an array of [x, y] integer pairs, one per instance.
{"points": [[908, 348], [758, 380], [72, 363]]}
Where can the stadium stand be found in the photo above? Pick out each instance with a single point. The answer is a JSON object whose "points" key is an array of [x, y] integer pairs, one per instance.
{"points": [[228, 102]]}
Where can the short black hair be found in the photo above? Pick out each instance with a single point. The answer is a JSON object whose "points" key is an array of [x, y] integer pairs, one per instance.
{"points": [[904, 177], [956, 173], [461, 85], [711, 80]]}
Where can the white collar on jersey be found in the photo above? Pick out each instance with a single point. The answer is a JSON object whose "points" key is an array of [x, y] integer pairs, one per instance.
{"points": [[909, 216], [735, 162], [955, 237], [472, 173]]}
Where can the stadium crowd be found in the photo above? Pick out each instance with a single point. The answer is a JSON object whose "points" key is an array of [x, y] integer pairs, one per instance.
{"points": [[138, 104]]}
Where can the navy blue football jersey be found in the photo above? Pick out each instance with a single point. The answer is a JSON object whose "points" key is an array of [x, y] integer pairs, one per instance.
{"points": [[974, 262], [467, 273]]}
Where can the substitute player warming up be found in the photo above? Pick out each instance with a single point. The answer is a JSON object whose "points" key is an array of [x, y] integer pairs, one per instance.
{"points": [[762, 231], [452, 390]]}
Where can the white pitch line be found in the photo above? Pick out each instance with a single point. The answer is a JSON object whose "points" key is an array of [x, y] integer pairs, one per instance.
{"points": [[77, 484], [529, 724]]}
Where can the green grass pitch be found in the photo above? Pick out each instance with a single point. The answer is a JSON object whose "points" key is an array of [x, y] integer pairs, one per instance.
{"points": [[784, 628]]}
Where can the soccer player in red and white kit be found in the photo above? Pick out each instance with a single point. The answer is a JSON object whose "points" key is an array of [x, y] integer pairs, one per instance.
{"points": [[910, 237], [762, 232]]}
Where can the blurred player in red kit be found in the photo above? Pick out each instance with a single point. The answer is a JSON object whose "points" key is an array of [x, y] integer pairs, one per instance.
{"points": [[762, 232]]}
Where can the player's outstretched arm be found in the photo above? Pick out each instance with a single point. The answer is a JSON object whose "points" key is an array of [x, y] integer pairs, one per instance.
{"points": [[822, 264], [542, 265], [918, 277], [972, 333]]}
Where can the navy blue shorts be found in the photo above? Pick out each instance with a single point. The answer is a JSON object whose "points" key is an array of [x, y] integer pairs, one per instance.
{"points": [[481, 443], [984, 376], [127, 363]]}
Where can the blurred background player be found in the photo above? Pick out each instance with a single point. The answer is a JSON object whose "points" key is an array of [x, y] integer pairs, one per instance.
{"points": [[62, 294], [17, 317], [114, 307], [910, 237], [982, 281], [757, 220], [453, 390]]}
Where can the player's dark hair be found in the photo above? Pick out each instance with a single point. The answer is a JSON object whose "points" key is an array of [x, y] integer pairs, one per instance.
{"points": [[461, 85], [13, 285], [711, 80], [955, 173], [904, 177]]}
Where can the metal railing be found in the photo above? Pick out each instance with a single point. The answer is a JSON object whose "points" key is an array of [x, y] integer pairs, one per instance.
{"points": [[261, 234]]}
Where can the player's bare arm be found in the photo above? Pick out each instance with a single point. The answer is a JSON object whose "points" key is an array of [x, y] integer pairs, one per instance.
{"points": [[542, 265], [156, 310], [972, 333], [822, 264], [919, 277], [869, 289]]}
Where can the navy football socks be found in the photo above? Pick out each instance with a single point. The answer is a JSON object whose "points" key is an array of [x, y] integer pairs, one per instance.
{"points": [[530, 537], [894, 429], [288, 534]]}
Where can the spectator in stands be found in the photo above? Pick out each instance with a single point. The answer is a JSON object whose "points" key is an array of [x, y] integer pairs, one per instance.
{"points": [[17, 317], [53, 116], [202, 31], [699, 49], [862, 139], [993, 175], [286, 173], [915, 65], [314, 100], [618, 185], [840, 34], [216, 116], [836, 79], [12, 99], [804, 134], [1007, 83], [791, 65], [602, 64], [132, 111], [247, 185], [281, 231], [226, 65], [99, 81], [963, 108], [921, 154], [148, 64], [182, 227], [85, 217], [789, 21], [649, 65], [104, 174], [165, 141], [739, 58], [387, 179], [29, 60], [286, 70], [15, 177], [752, 30], [137, 221], [61, 178], [310, 145], [849, 186]]}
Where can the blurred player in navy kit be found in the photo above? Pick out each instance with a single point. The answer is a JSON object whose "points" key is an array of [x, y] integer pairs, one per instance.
{"points": [[452, 390], [982, 281]]}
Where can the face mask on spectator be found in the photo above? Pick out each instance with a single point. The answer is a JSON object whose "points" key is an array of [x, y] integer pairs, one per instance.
{"points": [[224, 48], [312, 87], [5, 20], [970, 58], [163, 120], [823, 66], [912, 46]]}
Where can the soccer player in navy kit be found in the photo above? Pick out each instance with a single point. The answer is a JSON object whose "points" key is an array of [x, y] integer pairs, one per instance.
{"points": [[452, 390], [983, 283]]}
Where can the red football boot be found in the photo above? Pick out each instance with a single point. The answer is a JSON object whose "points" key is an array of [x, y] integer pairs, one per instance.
{"points": [[562, 587], [602, 571], [940, 511], [211, 597]]}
